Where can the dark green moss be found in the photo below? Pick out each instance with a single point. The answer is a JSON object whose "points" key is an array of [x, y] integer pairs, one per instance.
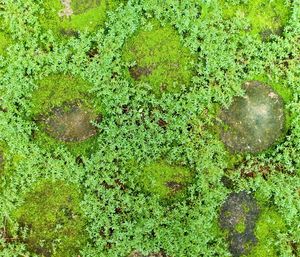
{"points": [[255, 121], [266, 18], [160, 59], [165, 180], [50, 220]]}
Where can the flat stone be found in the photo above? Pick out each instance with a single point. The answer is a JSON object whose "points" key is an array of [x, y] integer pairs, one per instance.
{"points": [[240, 209], [71, 122], [255, 121]]}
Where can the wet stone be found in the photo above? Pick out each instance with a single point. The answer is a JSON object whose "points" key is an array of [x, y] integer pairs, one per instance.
{"points": [[253, 122], [238, 216], [71, 122]]}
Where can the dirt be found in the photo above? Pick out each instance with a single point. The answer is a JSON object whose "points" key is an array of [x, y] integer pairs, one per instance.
{"points": [[71, 122], [253, 122], [174, 186], [240, 207], [268, 33], [137, 72]]}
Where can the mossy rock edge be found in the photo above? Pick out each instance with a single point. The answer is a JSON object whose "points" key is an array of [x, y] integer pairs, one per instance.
{"points": [[255, 121], [238, 216]]}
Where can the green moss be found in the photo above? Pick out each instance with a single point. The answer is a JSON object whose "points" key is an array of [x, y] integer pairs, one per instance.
{"points": [[165, 180], [265, 17], [241, 226], [268, 226], [57, 89], [4, 42], [159, 57], [52, 97], [86, 15], [50, 220]]}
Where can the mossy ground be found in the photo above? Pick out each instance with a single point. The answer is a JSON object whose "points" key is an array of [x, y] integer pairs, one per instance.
{"points": [[86, 15], [54, 109], [159, 58], [51, 219], [266, 18], [165, 180]]}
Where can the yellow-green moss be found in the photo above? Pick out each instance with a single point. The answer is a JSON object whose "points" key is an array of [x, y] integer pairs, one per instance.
{"points": [[50, 220], [55, 92], [57, 89], [87, 15], [165, 180], [268, 226], [265, 17], [160, 58], [4, 42]]}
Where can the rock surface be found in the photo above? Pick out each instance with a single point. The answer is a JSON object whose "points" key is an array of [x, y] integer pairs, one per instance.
{"points": [[255, 121], [71, 122], [238, 216]]}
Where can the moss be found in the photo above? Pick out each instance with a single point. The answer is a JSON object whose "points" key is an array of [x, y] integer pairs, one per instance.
{"points": [[159, 57], [165, 180], [241, 226], [268, 226], [265, 17], [85, 15], [5, 39], [50, 220], [55, 112], [57, 89]]}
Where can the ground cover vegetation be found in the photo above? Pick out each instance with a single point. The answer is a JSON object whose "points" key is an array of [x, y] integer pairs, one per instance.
{"points": [[149, 128]]}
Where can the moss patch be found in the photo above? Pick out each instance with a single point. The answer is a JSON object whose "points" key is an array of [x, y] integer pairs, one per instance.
{"points": [[265, 17], [238, 217], [65, 110], [50, 220], [67, 15], [255, 121], [1, 160], [160, 59], [165, 180], [268, 226]]}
